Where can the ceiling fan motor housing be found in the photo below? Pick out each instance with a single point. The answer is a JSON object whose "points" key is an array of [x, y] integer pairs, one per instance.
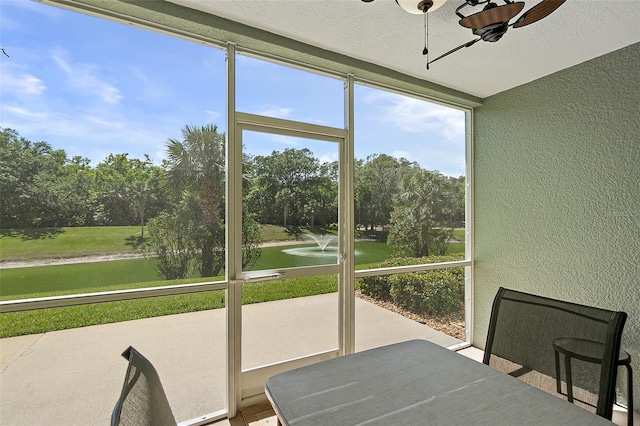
{"points": [[492, 33]]}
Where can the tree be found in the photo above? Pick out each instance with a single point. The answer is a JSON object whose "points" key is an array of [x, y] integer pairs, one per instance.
{"points": [[457, 201], [284, 198], [82, 200], [420, 223], [126, 190], [295, 180], [140, 193], [196, 171], [377, 182], [174, 241], [41, 187], [196, 165], [321, 203], [251, 239], [32, 183]]}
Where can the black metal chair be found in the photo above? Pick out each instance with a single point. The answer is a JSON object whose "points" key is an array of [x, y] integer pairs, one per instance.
{"points": [[142, 401], [528, 332]]}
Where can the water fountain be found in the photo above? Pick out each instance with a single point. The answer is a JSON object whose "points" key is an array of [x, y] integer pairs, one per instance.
{"points": [[321, 249], [321, 240]]}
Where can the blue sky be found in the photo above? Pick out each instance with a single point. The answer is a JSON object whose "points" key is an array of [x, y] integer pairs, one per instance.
{"points": [[94, 87]]}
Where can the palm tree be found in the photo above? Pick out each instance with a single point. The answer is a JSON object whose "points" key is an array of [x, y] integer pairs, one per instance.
{"points": [[197, 165], [418, 223], [284, 197], [140, 194]]}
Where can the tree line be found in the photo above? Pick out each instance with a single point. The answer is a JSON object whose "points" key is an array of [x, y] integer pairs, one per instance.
{"points": [[43, 187]]}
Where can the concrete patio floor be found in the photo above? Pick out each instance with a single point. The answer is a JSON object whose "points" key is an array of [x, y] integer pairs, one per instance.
{"points": [[73, 377]]}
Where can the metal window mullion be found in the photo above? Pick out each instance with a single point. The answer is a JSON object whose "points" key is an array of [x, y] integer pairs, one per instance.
{"points": [[407, 92], [411, 268], [106, 296], [288, 273], [289, 62], [233, 236], [346, 212], [468, 224], [101, 12], [280, 126]]}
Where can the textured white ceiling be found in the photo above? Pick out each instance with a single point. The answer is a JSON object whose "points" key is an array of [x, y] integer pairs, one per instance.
{"points": [[382, 33]]}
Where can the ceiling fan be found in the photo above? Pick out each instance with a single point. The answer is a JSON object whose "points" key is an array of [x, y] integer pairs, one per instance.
{"points": [[489, 24], [492, 22]]}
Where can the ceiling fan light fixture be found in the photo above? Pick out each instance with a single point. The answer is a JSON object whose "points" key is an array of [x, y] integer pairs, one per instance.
{"points": [[418, 7]]}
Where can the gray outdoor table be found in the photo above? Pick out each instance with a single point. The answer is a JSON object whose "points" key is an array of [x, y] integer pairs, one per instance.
{"points": [[414, 383]]}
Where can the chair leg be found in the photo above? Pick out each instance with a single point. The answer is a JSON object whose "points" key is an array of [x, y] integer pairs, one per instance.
{"points": [[557, 359], [629, 395], [567, 367]]}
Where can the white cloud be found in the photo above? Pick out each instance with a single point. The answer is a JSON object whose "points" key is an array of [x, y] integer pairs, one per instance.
{"points": [[31, 84], [328, 158], [413, 115], [212, 115], [87, 133], [420, 131], [22, 84], [110, 94], [275, 111], [104, 123], [84, 80], [62, 64], [402, 154], [19, 112], [416, 115], [287, 141], [148, 89]]}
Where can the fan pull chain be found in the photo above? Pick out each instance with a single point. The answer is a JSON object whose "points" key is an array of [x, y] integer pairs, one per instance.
{"points": [[425, 51]]}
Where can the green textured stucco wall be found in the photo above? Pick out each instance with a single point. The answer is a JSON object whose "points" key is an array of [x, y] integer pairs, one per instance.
{"points": [[557, 192]]}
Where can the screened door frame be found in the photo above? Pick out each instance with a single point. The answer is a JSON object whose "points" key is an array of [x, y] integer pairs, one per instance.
{"points": [[246, 387]]}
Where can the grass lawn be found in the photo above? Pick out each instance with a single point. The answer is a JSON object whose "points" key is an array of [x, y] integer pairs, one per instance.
{"points": [[92, 240], [458, 234], [69, 242], [279, 233], [53, 280], [45, 320]]}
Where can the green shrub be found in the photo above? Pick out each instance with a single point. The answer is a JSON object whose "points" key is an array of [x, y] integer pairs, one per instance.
{"points": [[434, 292], [378, 286]]}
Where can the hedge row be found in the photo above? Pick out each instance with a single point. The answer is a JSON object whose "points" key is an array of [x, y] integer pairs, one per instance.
{"points": [[431, 292]]}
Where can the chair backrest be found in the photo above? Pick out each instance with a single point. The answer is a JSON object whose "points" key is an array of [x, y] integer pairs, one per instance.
{"points": [[522, 329], [142, 400]]}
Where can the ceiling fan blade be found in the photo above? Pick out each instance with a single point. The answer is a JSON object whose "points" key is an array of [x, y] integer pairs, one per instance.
{"points": [[467, 44], [537, 12], [492, 15]]}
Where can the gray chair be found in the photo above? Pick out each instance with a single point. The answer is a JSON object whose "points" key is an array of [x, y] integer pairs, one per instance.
{"points": [[528, 334], [142, 400]]}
